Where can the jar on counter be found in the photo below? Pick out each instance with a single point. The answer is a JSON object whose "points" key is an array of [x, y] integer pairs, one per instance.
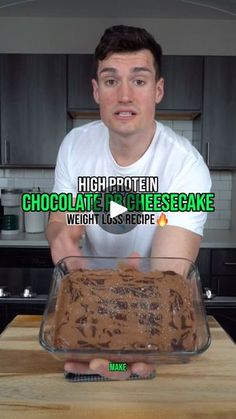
{"points": [[34, 220]]}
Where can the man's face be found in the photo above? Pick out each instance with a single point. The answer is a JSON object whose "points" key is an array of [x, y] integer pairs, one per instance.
{"points": [[127, 92]]}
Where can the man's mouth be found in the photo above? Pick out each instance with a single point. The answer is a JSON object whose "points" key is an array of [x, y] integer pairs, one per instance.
{"points": [[125, 114]]}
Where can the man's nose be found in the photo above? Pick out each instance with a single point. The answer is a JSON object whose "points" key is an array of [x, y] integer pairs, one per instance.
{"points": [[125, 92]]}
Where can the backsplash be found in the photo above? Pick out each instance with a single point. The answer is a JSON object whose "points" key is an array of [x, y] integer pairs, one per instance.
{"points": [[27, 178], [221, 181]]}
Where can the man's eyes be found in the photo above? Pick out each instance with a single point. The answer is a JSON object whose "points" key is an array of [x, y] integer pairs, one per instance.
{"points": [[113, 82], [110, 82], [139, 82]]}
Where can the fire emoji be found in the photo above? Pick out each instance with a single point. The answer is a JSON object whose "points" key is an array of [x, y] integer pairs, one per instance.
{"points": [[162, 220]]}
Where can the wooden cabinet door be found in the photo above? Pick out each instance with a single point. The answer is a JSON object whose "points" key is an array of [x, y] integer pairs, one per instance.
{"points": [[182, 74], [33, 108], [203, 263], [224, 285], [224, 271], [183, 83], [80, 74], [219, 111]]}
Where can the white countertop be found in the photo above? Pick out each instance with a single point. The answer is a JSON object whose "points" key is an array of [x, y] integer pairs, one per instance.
{"points": [[211, 239], [24, 240]]}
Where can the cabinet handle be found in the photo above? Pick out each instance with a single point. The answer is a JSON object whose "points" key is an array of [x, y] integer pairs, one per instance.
{"points": [[6, 151], [230, 263], [208, 153]]}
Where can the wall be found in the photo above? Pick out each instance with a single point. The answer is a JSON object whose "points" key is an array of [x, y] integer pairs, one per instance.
{"points": [[74, 35], [221, 181], [221, 184]]}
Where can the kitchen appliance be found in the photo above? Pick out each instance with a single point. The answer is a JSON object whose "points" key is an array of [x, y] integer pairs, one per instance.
{"points": [[25, 279], [11, 202], [21, 268], [10, 223], [223, 308]]}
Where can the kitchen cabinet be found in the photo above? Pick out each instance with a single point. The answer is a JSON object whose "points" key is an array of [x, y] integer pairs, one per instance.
{"points": [[218, 117], [217, 268], [33, 108], [80, 74], [183, 83], [203, 263], [224, 271], [183, 77], [21, 268]]}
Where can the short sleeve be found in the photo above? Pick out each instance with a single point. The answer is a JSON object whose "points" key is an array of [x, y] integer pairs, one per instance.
{"points": [[193, 178], [63, 181]]}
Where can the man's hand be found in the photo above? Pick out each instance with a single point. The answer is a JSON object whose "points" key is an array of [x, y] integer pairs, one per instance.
{"points": [[101, 367], [175, 242], [63, 239]]}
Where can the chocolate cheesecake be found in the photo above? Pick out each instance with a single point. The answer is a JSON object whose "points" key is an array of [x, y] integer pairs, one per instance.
{"points": [[124, 310]]}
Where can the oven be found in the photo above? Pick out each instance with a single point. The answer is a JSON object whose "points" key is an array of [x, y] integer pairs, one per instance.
{"points": [[25, 280], [223, 308]]}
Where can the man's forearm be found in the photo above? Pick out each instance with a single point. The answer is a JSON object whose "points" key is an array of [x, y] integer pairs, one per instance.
{"points": [[63, 240], [175, 243]]}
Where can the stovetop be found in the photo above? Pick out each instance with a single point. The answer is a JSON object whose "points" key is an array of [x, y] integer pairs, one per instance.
{"points": [[221, 302], [29, 296], [14, 299]]}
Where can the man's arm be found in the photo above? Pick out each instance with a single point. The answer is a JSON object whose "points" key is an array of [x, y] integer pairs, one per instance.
{"points": [[177, 242], [63, 239]]}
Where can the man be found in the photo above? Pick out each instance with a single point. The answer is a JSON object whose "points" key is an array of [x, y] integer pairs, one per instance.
{"points": [[128, 142]]}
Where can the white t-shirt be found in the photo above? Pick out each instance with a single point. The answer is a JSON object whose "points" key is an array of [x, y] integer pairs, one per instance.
{"points": [[177, 164]]}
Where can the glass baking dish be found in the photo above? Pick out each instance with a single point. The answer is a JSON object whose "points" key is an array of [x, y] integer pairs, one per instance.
{"points": [[125, 310]]}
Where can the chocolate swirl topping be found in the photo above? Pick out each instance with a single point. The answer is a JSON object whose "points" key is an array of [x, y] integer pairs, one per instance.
{"points": [[124, 309]]}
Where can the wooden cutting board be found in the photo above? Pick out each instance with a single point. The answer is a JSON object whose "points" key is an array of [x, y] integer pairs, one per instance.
{"points": [[32, 384]]}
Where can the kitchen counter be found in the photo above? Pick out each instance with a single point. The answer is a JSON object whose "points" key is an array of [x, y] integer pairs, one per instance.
{"points": [[211, 239], [24, 240], [32, 384]]}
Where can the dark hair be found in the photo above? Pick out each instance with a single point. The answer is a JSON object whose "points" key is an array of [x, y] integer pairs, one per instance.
{"points": [[122, 38]]}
